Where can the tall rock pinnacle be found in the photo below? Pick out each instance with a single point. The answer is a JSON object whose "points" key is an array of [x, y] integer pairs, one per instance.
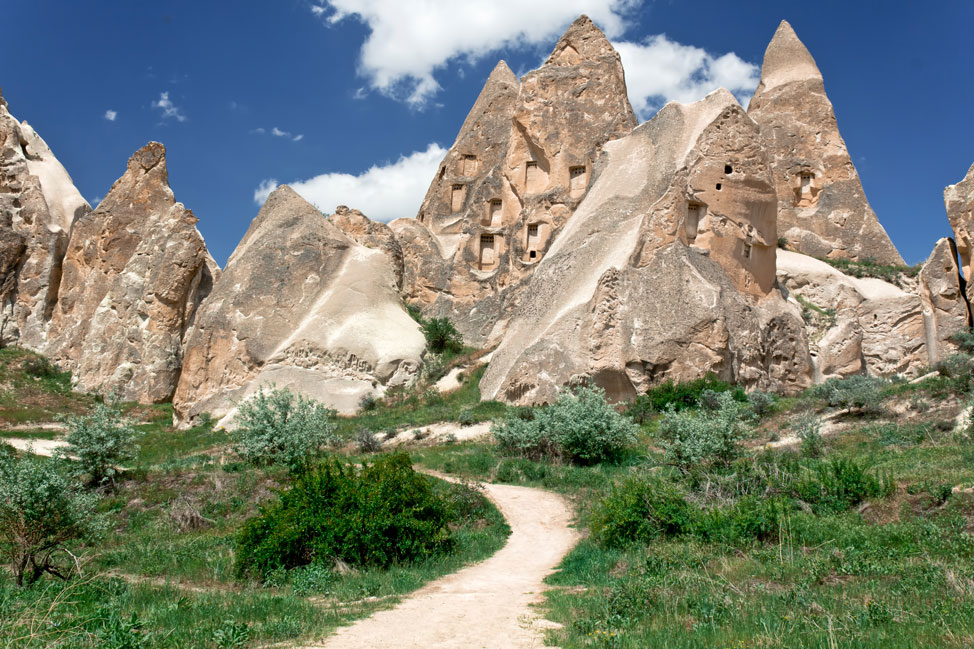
{"points": [[822, 209]]}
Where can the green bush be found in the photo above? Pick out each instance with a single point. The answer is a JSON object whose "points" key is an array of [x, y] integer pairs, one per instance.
{"points": [[964, 341], [442, 336], [762, 403], [41, 512], [641, 510], [683, 396], [383, 514], [580, 427], [708, 436], [958, 369], [101, 442], [863, 394], [840, 484], [368, 402], [280, 427], [466, 417], [808, 428]]}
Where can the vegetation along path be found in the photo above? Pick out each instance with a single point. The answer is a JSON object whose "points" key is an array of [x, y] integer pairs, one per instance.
{"points": [[487, 605]]}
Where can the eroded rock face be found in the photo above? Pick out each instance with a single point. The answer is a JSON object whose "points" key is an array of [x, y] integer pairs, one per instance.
{"points": [[665, 271], [522, 163], [822, 209], [941, 288], [134, 272], [370, 234], [959, 200], [38, 204], [302, 305], [857, 325]]}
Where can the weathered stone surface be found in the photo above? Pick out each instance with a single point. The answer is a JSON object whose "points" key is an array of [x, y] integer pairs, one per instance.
{"points": [[662, 273], [370, 234], [855, 325], [520, 166], [945, 306], [134, 272], [301, 305], [959, 200], [38, 204], [822, 209]]}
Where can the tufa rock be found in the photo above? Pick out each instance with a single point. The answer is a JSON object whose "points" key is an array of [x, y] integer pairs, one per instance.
{"points": [[38, 204], [959, 200], [134, 273], [822, 209], [370, 234], [945, 306], [302, 305], [665, 271], [522, 163]]}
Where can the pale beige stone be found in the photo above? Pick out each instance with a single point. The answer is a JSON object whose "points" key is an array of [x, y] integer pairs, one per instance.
{"points": [[822, 209], [135, 270], [630, 294], [301, 305], [38, 205], [945, 306], [959, 200]]}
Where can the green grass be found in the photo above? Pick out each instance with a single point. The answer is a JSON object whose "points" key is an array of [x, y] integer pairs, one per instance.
{"points": [[33, 390], [869, 268]]}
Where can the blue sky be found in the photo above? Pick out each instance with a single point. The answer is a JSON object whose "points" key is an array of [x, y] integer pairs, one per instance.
{"points": [[359, 98]]}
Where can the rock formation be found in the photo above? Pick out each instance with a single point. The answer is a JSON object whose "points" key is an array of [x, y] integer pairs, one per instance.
{"points": [[38, 204], [945, 306], [134, 273], [857, 325], [959, 200], [299, 304], [665, 271], [519, 168], [822, 209], [370, 234]]}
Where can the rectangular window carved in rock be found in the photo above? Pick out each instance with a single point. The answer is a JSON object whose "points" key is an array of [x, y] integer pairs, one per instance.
{"points": [[747, 251], [535, 178], [456, 197], [695, 214], [488, 254], [577, 180], [468, 166], [806, 194], [533, 241], [495, 213]]}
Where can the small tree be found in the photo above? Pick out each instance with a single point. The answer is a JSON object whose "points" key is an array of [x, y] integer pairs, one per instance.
{"points": [[101, 442], [707, 436], [442, 336], [279, 427], [41, 511]]}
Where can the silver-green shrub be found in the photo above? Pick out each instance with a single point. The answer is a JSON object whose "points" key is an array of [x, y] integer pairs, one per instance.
{"points": [[101, 442], [280, 427], [42, 510], [705, 436], [580, 426]]}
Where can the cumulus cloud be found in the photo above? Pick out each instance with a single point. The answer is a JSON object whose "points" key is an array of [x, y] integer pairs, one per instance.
{"points": [[383, 193], [410, 39], [110, 115], [169, 110], [276, 132], [659, 70]]}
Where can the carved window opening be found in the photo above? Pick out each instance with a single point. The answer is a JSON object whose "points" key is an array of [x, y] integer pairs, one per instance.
{"points": [[456, 197], [468, 165], [488, 253], [718, 186], [495, 213], [421, 217], [806, 193], [535, 179], [577, 180], [728, 169], [442, 172], [747, 251], [695, 214]]}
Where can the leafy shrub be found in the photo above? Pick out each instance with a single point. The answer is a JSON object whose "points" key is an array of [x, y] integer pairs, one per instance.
{"points": [[466, 417], [761, 403], [442, 336], [870, 268], [101, 442], [964, 341], [640, 410], [808, 427], [840, 484], [580, 426], [863, 394], [958, 369], [384, 514], [707, 436], [641, 510], [280, 427], [434, 367], [41, 512], [367, 441], [682, 396], [368, 402]]}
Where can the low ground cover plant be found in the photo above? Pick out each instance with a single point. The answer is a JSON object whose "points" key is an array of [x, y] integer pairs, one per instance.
{"points": [[580, 427]]}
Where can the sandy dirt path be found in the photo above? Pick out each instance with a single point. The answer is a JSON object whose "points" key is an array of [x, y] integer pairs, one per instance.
{"points": [[487, 605]]}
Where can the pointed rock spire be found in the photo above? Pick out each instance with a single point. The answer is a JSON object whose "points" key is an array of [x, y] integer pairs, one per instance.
{"points": [[134, 272], [822, 209], [959, 201]]}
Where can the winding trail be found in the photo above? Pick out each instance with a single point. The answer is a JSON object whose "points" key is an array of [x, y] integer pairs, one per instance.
{"points": [[484, 606]]}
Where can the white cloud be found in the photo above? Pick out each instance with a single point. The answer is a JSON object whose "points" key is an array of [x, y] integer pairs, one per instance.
{"points": [[659, 70], [279, 133], [276, 132], [169, 110], [382, 193], [110, 115], [298, 137], [410, 39]]}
